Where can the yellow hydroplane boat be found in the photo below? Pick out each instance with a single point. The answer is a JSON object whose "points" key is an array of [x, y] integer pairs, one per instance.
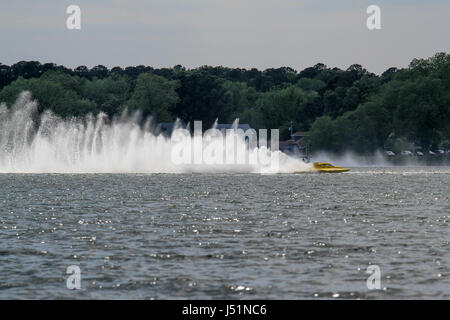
{"points": [[328, 167]]}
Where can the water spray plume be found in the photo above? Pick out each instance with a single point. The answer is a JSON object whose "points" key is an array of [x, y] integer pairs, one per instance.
{"points": [[46, 143]]}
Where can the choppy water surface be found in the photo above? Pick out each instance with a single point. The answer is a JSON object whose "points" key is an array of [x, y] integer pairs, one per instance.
{"points": [[221, 236]]}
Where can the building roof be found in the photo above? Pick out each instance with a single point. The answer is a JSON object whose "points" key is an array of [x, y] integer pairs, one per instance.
{"points": [[300, 134]]}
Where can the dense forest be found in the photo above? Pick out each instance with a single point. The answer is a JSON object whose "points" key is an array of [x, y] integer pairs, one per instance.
{"points": [[342, 110]]}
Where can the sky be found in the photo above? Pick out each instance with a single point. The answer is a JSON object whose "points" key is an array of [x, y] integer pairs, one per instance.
{"points": [[233, 33]]}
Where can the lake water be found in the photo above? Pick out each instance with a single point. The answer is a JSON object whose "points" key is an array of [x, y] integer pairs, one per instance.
{"points": [[226, 236]]}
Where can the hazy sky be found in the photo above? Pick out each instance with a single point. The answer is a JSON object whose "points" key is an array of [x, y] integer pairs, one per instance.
{"points": [[234, 33]]}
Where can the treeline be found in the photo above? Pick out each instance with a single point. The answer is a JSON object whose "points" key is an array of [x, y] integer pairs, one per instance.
{"points": [[343, 110]]}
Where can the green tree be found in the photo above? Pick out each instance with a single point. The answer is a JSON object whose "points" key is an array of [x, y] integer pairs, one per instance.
{"points": [[279, 107], [203, 97], [324, 135], [154, 95], [110, 94], [50, 95]]}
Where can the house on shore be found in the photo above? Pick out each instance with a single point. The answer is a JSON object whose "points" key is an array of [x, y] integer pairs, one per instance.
{"points": [[297, 145]]}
